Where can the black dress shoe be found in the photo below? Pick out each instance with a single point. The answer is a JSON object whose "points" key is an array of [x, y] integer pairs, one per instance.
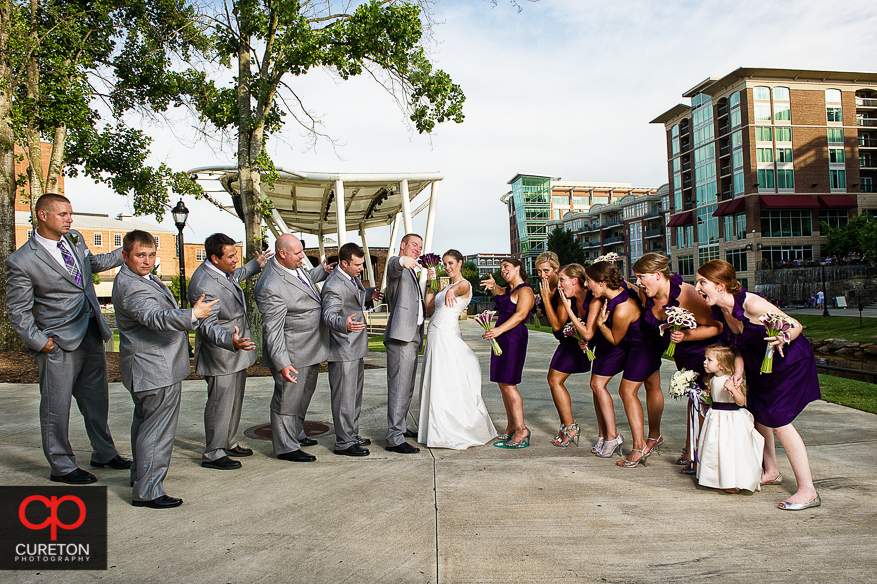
{"points": [[308, 442], [75, 477], [239, 451], [163, 502], [362, 441], [224, 463], [297, 456], [410, 433], [355, 450], [117, 462], [403, 448]]}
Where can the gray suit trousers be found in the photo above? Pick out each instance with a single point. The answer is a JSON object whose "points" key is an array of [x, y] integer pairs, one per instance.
{"points": [[80, 373], [222, 415], [345, 380], [152, 438], [289, 405], [401, 372]]}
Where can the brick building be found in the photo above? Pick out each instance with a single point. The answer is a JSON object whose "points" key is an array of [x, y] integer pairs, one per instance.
{"points": [[760, 157], [487, 263]]}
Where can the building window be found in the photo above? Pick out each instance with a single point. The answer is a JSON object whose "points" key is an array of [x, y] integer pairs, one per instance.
{"points": [[707, 225], [560, 200], [98, 239], [737, 139], [735, 118], [782, 112], [781, 94], [833, 114], [706, 253], [834, 217], [837, 179], [762, 112], [117, 240], [735, 227], [685, 266], [737, 258], [763, 134], [738, 182], [867, 186], [761, 93], [685, 236], [783, 134], [765, 178], [29, 233], [157, 242], [581, 201], [832, 96], [836, 135], [764, 154], [786, 223], [785, 178], [780, 255], [784, 155], [200, 255], [836, 155]]}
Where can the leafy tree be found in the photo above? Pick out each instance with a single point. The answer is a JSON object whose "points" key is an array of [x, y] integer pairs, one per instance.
{"points": [[470, 273], [859, 234], [564, 244]]}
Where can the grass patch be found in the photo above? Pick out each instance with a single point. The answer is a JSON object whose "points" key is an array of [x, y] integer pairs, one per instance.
{"points": [[846, 327], [376, 345], [541, 329], [847, 392]]}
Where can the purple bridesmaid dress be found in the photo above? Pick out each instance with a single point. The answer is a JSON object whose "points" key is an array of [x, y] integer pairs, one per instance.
{"points": [[775, 399], [642, 343], [611, 359], [509, 367], [569, 357]]}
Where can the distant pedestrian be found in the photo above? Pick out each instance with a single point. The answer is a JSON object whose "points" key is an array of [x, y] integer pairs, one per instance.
{"points": [[812, 302], [820, 300]]}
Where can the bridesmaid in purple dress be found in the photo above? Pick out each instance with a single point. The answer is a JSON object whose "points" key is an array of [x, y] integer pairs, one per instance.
{"points": [[513, 306], [662, 288], [623, 327], [775, 399]]}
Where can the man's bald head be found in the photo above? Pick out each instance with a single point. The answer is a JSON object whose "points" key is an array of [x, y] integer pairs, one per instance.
{"points": [[289, 251]]}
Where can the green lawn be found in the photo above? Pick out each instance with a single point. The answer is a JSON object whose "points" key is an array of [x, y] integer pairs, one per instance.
{"points": [[376, 344], [846, 327], [846, 392]]}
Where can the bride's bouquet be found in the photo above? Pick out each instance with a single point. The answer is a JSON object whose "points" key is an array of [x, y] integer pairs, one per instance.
{"points": [[570, 330], [678, 318], [430, 260], [684, 384], [485, 319], [537, 304], [777, 325]]}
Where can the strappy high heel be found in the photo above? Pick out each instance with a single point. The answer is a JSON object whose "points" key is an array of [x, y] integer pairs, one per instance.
{"points": [[659, 441], [564, 432], [633, 463], [609, 447], [523, 443], [599, 445], [683, 459]]}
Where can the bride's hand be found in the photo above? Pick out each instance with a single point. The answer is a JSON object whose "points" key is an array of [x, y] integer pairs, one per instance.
{"points": [[450, 298]]}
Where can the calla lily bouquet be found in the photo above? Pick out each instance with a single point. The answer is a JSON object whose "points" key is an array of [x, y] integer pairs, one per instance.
{"points": [[570, 330], [678, 318], [485, 319], [777, 325], [430, 260], [537, 304]]}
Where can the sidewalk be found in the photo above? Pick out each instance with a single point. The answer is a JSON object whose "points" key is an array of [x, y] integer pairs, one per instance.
{"points": [[542, 514]]}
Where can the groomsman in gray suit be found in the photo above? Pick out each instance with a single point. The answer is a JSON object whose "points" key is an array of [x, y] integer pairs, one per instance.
{"points": [[343, 299], [403, 339], [154, 355], [223, 349], [295, 342], [53, 307]]}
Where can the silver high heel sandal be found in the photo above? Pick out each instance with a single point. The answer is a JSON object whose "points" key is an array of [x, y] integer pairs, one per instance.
{"points": [[609, 447], [659, 441], [599, 445], [564, 433]]}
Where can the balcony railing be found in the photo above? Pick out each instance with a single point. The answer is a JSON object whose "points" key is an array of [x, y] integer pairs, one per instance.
{"points": [[614, 239], [866, 102], [654, 233], [659, 248], [866, 163], [724, 150], [688, 205], [865, 143], [610, 223], [726, 170], [721, 110], [591, 243], [868, 189], [867, 122], [655, 213]]}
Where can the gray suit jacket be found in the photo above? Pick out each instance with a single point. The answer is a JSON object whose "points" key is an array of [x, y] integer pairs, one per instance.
{"points": [[292, 330], [43, 298], [403, 296], [341, 299], [214, 351], [153, 337]]}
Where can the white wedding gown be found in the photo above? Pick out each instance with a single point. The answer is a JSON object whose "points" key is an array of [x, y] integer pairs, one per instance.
{"points": [[452, 413]]}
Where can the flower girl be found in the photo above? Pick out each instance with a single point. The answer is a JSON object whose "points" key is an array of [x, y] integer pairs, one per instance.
{"points": [[729, 447]]}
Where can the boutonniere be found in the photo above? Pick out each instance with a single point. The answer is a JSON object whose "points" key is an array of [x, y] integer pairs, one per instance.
{"points": [[75, 238]]}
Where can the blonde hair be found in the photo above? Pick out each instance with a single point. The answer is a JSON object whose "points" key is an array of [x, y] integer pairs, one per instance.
{"points": [[548, 257], [576, 271], [725, 358], [652, 263]]}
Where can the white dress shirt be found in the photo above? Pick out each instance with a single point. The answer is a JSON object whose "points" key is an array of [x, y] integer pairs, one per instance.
{"points": [[51, 246]]}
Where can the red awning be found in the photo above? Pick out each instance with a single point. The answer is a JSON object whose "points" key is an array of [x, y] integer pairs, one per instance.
{"points": [[729, 207], [789, 202], [681, 219], [837, 202]]}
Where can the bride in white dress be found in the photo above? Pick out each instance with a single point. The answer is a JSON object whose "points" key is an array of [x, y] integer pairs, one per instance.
{"points": [[452, 413]]}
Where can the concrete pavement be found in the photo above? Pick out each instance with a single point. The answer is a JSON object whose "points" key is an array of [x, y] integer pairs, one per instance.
{"points": [[542, 514]]}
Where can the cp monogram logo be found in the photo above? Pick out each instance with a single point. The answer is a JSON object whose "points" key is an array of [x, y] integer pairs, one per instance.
{"points": [[52, 521]]}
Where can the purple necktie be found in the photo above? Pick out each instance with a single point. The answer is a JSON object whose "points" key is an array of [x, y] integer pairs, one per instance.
{"points": [[70, 263], [230, 277], [306, 283]]}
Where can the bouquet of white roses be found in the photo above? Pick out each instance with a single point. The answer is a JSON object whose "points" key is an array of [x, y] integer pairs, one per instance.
{"points": [[678, 318], [684, 384], [570, 330], [777, 325], [610, 257], [485, 319]]}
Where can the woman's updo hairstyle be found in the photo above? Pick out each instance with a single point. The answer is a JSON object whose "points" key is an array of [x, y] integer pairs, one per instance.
{"points": [[548, 257], [576, 271], [517, 263], [606, 272], [652, 263], [454, 254], [721, 272]]}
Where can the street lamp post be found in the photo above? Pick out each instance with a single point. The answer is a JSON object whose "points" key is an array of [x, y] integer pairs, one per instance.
{"points": [[824, 294], [181, 213]]}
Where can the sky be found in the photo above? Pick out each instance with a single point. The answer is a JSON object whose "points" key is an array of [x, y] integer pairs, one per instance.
{"points": [[563, 88]]}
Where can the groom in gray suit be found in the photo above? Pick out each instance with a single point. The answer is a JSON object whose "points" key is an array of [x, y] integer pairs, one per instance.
{"points": [[403, 339], [343, 299], [223, 349], [154, 358], [295, 342], [53, 307]]}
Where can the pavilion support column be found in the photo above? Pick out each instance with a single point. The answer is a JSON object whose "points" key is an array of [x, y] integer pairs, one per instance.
{"points": [[369, 269], [340, 213], [391, 247], [406, 206], [321, 245], [430, 218], [279, 222]]}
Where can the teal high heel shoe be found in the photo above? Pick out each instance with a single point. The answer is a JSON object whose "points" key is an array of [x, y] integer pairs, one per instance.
{"points": [[509, 444]]}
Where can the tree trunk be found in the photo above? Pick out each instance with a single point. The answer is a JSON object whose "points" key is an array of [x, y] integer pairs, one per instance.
{"points": [[9, 339], [56, 162], [32, 132]]}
